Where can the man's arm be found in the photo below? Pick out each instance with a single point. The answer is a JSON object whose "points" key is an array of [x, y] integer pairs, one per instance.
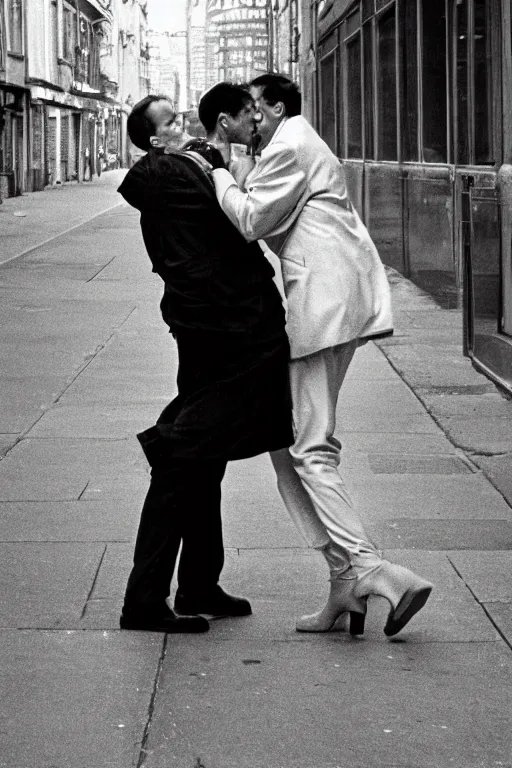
{"points": [[273, 195]]}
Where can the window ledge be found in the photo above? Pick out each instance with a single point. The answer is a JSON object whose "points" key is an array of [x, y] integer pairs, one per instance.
{"points": [[14, 55]]}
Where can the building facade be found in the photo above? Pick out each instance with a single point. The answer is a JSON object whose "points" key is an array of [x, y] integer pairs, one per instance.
{"points": [[239, 37], [415, 96], [69, 73]]}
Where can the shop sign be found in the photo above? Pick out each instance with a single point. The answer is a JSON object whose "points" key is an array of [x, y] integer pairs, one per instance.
{"points": [[237, 10], [214, 6]]}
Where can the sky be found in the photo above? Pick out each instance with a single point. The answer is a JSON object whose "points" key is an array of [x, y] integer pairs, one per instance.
{"points": [[166, 15]]}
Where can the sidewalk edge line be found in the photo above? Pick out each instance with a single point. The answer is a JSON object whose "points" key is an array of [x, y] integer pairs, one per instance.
{"points": [[54, 237]]}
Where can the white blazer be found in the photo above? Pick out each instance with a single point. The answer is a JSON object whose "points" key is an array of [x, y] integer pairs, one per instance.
{"points": [[296, 200]]}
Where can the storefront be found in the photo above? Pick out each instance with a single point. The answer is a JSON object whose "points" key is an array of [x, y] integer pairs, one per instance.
{"points": [[415, 97], [12, 140]]}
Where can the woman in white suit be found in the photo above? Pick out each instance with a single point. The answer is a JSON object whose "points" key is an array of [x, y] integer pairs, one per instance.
{"points": [[295, 198]]}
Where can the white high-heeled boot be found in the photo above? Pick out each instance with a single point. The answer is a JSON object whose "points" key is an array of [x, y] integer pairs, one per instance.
{"points": [[341, 597], [406, 592]]}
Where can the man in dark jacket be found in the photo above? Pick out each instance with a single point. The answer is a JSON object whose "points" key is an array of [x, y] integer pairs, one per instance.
{"points": [[226, 315]]}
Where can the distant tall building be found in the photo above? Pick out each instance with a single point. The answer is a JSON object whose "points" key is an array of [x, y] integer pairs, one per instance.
{"points": [[167, 66], [197, 29], [237, 40]]}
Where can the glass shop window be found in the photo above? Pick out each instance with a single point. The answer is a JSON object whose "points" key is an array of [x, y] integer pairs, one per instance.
{"points": [[369, 146], [409, 81], [462, 151], [473, 97], [434, 72], [367, 7], [353, 98], [15, 16], [328, 100], [483, 82], [386, 86]]}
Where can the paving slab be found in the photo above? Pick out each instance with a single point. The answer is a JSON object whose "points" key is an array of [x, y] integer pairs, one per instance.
{"points": [[94, 388], [46, 521], [486, 575], [55, 210], [416, 423], [482, 434], [62, 470], [501, 616], [477, 406], [155, 354], [254, 515], [499, 471], [422, 365], [408, 443], [421, 318], [367, 396], [85, 697], [459, 497], [7, 441], [22, 482], [46, 358], [128, 489], [60, 318], [101, 420], [114, 571], [443, 534], [48, 583], [284, 705]]}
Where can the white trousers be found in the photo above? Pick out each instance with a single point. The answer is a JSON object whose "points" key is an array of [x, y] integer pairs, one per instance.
{"points": [[308, 479]]}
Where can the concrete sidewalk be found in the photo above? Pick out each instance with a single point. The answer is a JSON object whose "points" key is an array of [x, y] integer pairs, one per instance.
{"points": [[428, 447], [36, 217]]}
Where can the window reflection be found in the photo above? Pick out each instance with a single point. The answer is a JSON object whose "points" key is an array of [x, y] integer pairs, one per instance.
{"points": [[353, 90], [434, 81], [483, 83], [387, 86]]}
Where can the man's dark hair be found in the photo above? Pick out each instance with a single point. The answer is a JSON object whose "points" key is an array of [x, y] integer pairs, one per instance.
{"points": [[276, 88], [223, 97], [139, 125]]}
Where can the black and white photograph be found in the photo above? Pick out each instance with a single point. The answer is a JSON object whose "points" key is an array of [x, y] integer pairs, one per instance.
{"points": [[256, 383]]}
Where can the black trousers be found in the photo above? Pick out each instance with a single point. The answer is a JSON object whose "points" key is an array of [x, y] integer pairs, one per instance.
{"points": [[233, 402], [182, 506]]}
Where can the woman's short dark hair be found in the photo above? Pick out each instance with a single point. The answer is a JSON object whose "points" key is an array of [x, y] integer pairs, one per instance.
{"points": [[140, 126], [223, 97], [276, 88]]}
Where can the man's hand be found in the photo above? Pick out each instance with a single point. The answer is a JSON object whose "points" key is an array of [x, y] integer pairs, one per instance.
{"points": [[207, 150], [241, 169]]}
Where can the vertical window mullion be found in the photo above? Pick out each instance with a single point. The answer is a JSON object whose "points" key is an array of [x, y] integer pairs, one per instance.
{"points": [[419, 79], [398, 10], [369, 76], [363, 94], [451, 116]]}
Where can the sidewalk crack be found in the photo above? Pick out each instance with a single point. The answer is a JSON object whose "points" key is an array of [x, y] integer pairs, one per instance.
{"points": [[95, 579], [482, 606], [100, 269], [151, 707]]}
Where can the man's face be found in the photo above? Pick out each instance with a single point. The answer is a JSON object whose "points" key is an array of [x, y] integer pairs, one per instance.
{"points": [[241, 127], [267, 117], [163, 117]]}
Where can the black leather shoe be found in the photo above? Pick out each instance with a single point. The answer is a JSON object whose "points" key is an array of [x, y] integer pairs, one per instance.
{"points": [[161, 620], [215, 603]]}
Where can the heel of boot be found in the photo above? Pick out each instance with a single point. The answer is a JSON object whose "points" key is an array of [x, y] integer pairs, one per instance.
{"points": [[357, 621]]}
